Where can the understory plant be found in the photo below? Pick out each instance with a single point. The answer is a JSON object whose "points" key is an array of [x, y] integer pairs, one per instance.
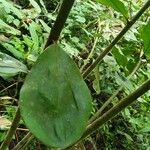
{"points": [[55, 102]]}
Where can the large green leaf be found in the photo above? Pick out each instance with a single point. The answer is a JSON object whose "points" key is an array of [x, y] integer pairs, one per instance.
{"points": [[10, 66], [116, 5], [55, 102], [146, 39]]}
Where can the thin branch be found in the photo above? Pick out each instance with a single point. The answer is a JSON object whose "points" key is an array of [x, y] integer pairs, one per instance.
{"points": [[23, 142], [116, 109], [27, 143], [8, 87], [115, 41], [93, 48], [11, 131], [60, 22], [98, 113], [58, 6]]}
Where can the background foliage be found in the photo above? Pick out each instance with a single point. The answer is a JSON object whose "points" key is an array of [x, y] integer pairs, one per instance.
{"points": [[24, 28]]}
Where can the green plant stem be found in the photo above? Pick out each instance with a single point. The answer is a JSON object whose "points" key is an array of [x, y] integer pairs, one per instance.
{"points": [[27, 143], [28, 137], [60, 21], [116, 109], [93, 48], [115, 41], [11, 131], [58, 6], [98, 113]]}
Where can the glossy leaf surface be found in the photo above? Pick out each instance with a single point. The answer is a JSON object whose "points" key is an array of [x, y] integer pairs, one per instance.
{"points": [[55, 102]]}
